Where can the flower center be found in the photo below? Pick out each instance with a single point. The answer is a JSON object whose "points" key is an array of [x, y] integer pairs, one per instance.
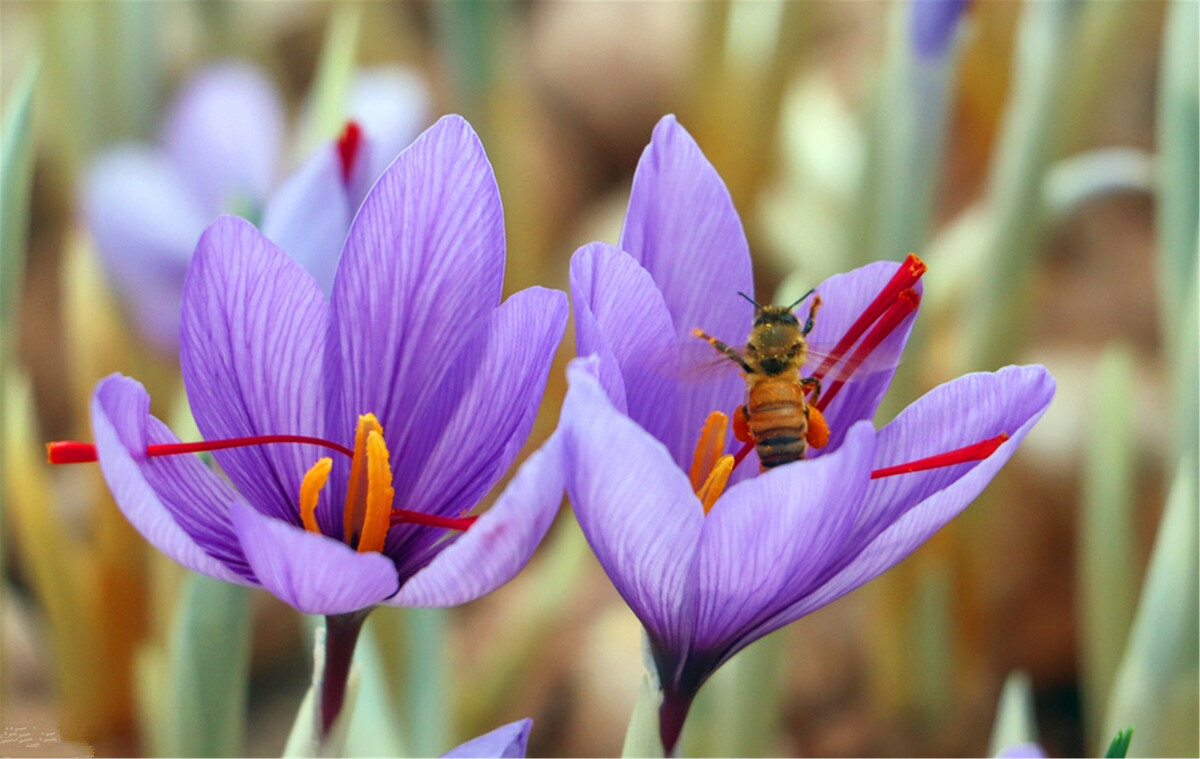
{"points": [[711, 466]]}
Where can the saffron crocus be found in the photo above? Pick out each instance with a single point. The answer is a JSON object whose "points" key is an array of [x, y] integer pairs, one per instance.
{"points": [[146, 205], [507, 742], [356, 433], [710, 554], [933, 24]]}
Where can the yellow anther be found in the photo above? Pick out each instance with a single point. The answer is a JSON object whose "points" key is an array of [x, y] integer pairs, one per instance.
{"points": [[310, 491], [708, 449], [818, 431], [380, 495], [714, 486], [356, 491]]}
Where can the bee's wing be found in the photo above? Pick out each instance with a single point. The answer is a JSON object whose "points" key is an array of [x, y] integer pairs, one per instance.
{"points": [[700, 362], [819, 355]]}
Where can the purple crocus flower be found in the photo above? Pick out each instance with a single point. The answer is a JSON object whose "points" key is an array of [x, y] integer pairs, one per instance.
{"points": [[711, 562], [146, 205], [507, 742], [357, 432]]}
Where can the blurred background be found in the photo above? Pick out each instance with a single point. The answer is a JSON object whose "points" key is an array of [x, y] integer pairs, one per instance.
{"points": [[1041, 157]]}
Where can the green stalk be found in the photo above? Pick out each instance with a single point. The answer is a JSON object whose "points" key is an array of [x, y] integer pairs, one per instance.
{"points": [[428, 704], [1015, 720], [1107, 569], [1027, 142]]}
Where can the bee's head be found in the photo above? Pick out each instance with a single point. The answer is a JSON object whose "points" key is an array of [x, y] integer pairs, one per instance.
{"points": [[776, 343]]}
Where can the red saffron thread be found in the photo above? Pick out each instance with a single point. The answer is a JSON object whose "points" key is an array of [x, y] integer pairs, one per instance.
{"points": [[976, 452], [347, 148], [906, 302], [905, 277], [404, 516], [75, 452]]}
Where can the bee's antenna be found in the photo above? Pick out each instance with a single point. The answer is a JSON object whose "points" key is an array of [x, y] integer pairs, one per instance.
{"points": [[752, 300], [801, 298]]}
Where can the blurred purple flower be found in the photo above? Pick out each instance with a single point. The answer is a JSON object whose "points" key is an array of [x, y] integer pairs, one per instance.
{"points": [[1022, 751], [443, 380], [146, 205], [778, 545], [507, 742], [933, 23]]}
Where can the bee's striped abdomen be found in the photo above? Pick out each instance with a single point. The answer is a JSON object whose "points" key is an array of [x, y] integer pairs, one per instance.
{"points": [[777, 418]]}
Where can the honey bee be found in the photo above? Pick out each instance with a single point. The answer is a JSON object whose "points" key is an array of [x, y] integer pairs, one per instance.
{"points": [[777, 417]]}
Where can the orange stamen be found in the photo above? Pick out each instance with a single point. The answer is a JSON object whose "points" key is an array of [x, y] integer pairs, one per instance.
{"points": [[709, 448], [976, 452], [356, 491], [310, 492], [714, 486], [380, 494]]}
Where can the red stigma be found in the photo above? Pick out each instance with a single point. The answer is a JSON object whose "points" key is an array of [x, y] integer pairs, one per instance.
{"points": [[70, 452], [347, 148], [976, 452], [904, 304], [73, 452], [404, 516]]}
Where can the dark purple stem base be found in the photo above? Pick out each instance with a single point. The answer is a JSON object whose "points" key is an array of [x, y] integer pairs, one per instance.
{"points": [[671, 716], [341, 636]]}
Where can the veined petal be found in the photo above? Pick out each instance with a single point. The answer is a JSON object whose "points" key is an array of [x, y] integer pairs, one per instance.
{"points": [[145, 223], [313, 573], [636, 507], [844, 297], [391, 104], [500, 542], [509, 741], [620, 313], [424, 257], [904, 515], [481, 425], [682, 227], [176, 503], [309, 215], [252, 344], [224, 134], [768, 539]]}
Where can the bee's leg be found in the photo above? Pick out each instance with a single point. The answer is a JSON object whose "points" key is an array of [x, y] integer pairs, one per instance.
{"points": [[813, 385], [721, 347], [812, 315]]}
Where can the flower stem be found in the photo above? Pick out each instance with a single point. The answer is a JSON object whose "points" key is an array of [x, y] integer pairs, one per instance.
{"points": [[671, 716], [341, 636]]}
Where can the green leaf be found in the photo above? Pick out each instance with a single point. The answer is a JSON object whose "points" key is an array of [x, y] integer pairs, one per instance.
{"points": [[642, 737], [1120, 744], [1156, 685], [1107, 573], [1015, 721], [210, 660], [16, 172], [374, 728], [330, 95]]}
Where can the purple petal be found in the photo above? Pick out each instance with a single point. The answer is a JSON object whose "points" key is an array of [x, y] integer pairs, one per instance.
{"points": [[1022, 751], [620, 316], [224, 135], [175, 502], [309, 215], [252, 344], [313, 573], [682, 227], [932, 25], [636, 508], [844, 297], [424, 257], [391, 104], [906, 510], [483, 423], [500, 542], [502, 743], [767, 539], [145, 223]]}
